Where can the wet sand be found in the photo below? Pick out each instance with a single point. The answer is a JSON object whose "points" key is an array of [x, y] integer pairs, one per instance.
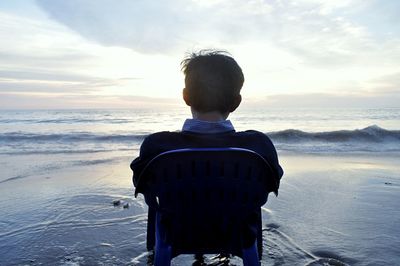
{"points": [[331, 210]]}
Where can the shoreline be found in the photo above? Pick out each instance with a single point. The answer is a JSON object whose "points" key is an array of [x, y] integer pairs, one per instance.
{"points": [[329, 209]]}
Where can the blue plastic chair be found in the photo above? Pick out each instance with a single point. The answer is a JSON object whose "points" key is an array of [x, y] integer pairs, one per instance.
{"points": [[206, 201]]}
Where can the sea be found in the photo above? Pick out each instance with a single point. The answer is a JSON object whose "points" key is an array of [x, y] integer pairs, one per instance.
{"points": [[293, 130], [61, 171]]}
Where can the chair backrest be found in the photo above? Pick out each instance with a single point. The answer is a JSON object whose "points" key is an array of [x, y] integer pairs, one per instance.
{"points": [[209, 199]]}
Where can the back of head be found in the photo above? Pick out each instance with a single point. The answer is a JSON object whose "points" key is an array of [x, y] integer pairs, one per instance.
{"points": [[213, 80]]}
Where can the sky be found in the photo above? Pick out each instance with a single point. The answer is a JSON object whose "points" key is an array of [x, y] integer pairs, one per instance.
{"points": [[127, 53]]}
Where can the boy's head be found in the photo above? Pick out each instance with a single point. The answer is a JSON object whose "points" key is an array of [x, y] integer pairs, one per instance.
{"points": [[213, 81]]}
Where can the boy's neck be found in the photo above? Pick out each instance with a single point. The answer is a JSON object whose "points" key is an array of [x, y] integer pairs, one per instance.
{"points": [[213, 116]]}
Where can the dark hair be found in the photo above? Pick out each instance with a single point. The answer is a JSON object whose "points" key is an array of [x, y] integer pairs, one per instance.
{"points": [[213, 80]]}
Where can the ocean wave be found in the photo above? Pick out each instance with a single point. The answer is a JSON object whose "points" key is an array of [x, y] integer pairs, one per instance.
{"points": [[69, 137], [66, 121], [46, 151], [369, 139], [369, 134]]}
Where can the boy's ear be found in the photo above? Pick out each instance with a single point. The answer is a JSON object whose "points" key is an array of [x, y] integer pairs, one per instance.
{"points": [[236, 102], [185, 96]]}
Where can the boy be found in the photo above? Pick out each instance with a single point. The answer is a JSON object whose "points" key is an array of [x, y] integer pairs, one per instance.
{"points": [[213, 81]]}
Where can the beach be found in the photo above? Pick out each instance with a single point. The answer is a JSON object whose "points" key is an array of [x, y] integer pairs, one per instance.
{"points": [[342, 211], [338, 207]]}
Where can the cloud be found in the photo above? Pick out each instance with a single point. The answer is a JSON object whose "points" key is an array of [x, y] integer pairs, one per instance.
{"points": [[35, 58], [386, 84], [38, 100], [46, 76], [320, 33], [55, 82], [39, 51], [162, 26], [45, 57], [315, 48], [56, 86], [144, 25], [326, 100]]}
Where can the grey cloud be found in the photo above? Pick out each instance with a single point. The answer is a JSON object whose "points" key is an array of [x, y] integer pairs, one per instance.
{"points": [[15, 100], [393, 78], [158, 26], [40, 63], [66, 57], [44, 87], [322, 100], [30, 81], [47, 76], [387, 84], [145, 99], [311, 31], [143, 25], [54, 101]]}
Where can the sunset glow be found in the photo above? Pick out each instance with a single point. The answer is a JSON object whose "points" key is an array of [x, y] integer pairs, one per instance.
{"points": [[87, 54]]}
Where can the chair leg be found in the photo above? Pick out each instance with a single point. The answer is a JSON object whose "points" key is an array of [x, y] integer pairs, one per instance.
{"points": [[163, 251], [151, 226], [259, 236], [250, 256]]}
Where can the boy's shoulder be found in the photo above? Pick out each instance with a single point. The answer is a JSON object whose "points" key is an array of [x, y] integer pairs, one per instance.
{"points": [[172, 139], [170, 134], [158, 138], [253, 133], [255, 136], [161, 134]]}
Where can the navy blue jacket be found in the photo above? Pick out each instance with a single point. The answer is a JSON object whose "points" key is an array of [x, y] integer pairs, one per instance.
{"points": [[160, 142]]}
